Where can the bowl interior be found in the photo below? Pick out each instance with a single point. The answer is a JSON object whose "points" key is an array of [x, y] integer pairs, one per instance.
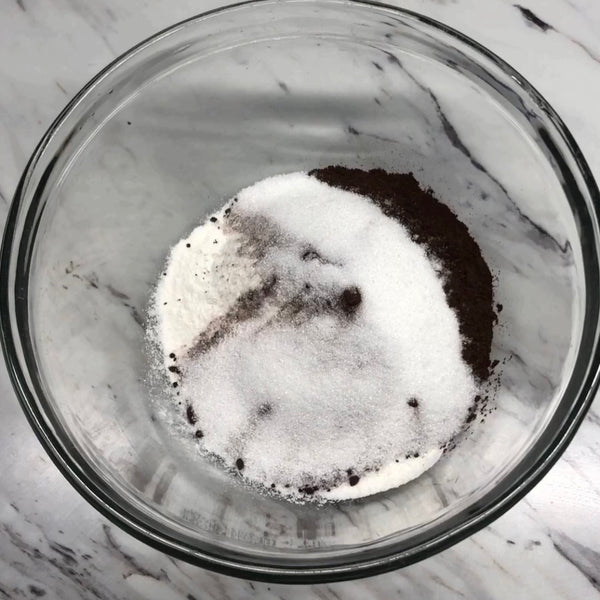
{"points": [[181, 124]]}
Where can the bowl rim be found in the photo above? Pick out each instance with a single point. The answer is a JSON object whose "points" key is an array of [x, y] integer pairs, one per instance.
{"points": [[132, 524]]}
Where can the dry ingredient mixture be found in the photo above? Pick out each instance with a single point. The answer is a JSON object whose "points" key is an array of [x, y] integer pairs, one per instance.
{"points": [[326, 335]]}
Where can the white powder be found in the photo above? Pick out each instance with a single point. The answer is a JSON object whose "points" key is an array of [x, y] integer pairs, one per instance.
{"points": [[304, 383]]}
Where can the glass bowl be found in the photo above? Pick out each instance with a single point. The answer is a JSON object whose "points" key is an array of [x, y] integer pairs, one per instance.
{"points": [[181, 122]]}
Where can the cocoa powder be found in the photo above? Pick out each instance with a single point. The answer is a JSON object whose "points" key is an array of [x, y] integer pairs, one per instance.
{"points": [[467, 282]]}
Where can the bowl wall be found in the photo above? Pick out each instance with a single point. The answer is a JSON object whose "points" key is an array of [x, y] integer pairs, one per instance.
{"points": [[180, 124]]}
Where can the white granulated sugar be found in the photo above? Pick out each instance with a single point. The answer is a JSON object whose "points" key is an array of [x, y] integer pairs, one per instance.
{"points": [[306, 325]]}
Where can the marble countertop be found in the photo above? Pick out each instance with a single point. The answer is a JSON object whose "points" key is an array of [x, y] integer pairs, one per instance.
{"points": [[54, 545]]}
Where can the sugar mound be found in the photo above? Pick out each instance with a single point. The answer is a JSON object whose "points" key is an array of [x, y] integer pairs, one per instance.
{"points": [[311, 342]]}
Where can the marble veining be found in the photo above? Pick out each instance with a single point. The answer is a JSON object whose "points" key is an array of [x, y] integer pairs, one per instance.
{"points": [[543, 26], [456, 141], [532, 18], [54, 545]]}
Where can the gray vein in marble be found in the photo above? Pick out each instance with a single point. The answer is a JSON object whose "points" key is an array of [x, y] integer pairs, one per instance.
{"points": [[96, 23], [92, 281], [61, 88], [474, 69], [129, 560], [581, 45], [353, 131], [533, 19], [111, 15], [64, 562], [544, 236], [545, 379], [584, 559], [283, 86]]}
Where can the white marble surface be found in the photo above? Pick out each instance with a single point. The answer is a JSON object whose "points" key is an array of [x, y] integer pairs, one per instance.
{"points": [[54, 545]]}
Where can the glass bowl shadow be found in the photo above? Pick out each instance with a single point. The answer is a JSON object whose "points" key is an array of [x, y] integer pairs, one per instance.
{"points": [[185, 119]]}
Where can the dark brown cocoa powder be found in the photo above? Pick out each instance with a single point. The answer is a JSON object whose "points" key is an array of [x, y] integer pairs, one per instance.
{"points": [[468, 281]]}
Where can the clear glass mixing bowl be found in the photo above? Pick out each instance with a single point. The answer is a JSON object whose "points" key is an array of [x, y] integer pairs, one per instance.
{"points": [[181, 122]]}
